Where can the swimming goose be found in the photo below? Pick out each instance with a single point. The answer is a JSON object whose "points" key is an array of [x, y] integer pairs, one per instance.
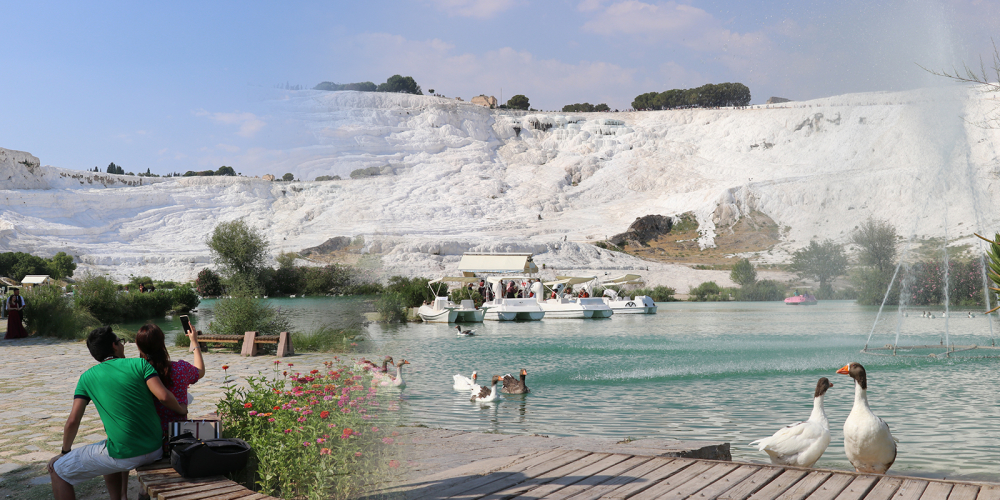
{"points": [[511, 386], [868, 443], [463, 383], [397, 381], [802, 443], [464, 333], [486, 395], [381, 373]]}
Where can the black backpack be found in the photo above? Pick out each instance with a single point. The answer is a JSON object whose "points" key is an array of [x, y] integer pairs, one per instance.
{"points": [[192, 457]]}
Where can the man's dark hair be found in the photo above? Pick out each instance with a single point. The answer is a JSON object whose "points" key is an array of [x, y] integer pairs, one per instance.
{"points": [[101, 343]]}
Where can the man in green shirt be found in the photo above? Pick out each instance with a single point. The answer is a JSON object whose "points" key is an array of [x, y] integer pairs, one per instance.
{"points": [[122, 389]]}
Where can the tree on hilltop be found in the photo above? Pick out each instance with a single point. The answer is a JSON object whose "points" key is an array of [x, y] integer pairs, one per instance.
{"points": [[399, 83], [520, 101]]}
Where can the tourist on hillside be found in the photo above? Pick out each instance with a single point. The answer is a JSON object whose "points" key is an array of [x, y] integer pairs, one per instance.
{"points": [[120, 389], [15, 327], [175, 375]]}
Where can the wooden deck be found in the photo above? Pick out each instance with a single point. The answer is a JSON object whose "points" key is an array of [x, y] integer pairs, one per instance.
{"points": [[582, 475]]}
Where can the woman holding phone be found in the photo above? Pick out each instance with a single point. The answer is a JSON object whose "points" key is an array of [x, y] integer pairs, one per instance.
{"points": [[176, 375]]}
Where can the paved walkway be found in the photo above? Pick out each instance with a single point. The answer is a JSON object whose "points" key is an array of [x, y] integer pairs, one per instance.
{"points": [[38, 376]]}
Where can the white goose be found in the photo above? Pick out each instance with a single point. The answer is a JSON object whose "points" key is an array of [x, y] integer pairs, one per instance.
{"points": [[486, 395], [463, 383], [397, 381], [802, 443], [868, 443]]}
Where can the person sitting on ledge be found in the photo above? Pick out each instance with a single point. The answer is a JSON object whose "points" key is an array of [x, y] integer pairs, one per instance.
{"points": [[120, 388]]}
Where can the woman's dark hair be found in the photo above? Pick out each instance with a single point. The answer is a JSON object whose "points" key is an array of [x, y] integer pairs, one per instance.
{"points": [[101, 343], [149, 340]]}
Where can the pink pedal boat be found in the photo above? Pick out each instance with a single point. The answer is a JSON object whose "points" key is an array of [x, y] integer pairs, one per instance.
{"points": [[805, 299]]}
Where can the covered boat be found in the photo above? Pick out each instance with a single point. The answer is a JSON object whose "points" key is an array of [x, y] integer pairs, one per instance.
{"points": [[804, 299], [568, 307], [465, 311], [622, 303], [500, 305], [441, 310]]}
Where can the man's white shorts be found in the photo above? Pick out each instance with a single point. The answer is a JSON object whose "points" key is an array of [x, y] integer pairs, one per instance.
{"points": [[88, 462]]}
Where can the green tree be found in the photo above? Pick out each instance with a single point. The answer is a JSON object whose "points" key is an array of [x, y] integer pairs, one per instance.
{"points": [[399, 83], [876, 241], [822, 262], [519, 101], [743, 273], [244, 313], [61, 266], [602, 107], [360, 86], [239, 250], [288, 177], [224, 170]]}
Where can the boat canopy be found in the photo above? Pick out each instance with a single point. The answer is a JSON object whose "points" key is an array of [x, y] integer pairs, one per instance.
{"points": [[498, 279], [456, 279], [570, 280], [625, 279], [497, 263]]}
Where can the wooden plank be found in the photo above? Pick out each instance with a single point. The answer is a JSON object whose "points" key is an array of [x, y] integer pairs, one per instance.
{"points": [[858, 488], [520, 477], [936, 491], [666, 485], [552, 475], [727, 482], [249, 495], [618, 469], [156, 489], [284, 343], [752, 484], [448, 488], [911, 489], [701, 481], [645, 481], [831, 489], [614, 483], [608, 461], [249, 347], [964, 492], [785, 480], [990, 492], [203, 490], [216, 494], [806, 486], [885, 488]]}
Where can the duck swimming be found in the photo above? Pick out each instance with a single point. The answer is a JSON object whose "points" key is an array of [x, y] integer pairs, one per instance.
{"points": [[486, 395], [512, 386], [463, 383], [464, 333]]}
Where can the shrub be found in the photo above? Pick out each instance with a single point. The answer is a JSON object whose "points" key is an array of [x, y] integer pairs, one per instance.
{"points": [[326, 338], [391, 307], [709, 291], [99, 296], [658, 294], [924, 283], [463, 293], [244, 313], [208, 283], [320, 434], [743, 273], [415, 291], [183, 298], [763, 290], [49, 312]]}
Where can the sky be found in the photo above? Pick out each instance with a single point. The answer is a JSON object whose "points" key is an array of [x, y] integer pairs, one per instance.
{"points": [[178, 86]]}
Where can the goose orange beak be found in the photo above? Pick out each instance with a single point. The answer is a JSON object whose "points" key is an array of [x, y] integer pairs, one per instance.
{"points": [[844, 370]]}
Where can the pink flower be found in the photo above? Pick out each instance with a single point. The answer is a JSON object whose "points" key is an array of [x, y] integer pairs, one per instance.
{"points": [[374, 429], [387, 440], [306, 443], [394, 463], [270, 419], [320, 440], [287, 431], [301, 419], [253, 413], [357, 453]]}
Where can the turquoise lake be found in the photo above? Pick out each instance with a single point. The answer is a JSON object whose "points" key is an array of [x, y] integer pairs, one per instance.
{"points": [[731, 372]]}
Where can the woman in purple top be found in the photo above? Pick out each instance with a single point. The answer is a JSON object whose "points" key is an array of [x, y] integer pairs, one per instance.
{"points": [[176, 375]]}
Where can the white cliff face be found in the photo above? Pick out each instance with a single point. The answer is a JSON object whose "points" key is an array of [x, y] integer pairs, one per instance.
{"points": [[457, 177]]}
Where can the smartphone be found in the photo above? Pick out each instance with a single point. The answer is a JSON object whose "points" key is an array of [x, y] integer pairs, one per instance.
{"points": [[185, 324]]}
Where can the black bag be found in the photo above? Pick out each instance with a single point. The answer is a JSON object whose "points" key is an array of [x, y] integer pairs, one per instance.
{"points": [[192, 457]]}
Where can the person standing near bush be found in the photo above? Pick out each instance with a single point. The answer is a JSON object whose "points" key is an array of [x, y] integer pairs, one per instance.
{"points": [[177, 376], [120, 388], [15, 327]]}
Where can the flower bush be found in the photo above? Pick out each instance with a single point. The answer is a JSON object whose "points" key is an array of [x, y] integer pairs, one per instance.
{"points": [[925, 283], [320, 434]]}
